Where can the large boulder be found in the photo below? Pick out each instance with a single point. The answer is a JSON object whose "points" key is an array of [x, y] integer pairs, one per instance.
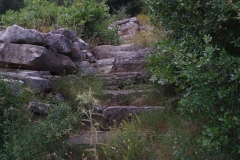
{"points": [[16, 34], [40, 81], [58, 43], [69, 34], [33, 57]]}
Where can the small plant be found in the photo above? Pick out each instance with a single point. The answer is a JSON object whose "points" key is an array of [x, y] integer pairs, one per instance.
{"points": [[86, 102], [121, 13]]}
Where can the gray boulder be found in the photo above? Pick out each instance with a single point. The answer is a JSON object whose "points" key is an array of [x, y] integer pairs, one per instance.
{"points": [[14, 85], [68, 34], [90, 57], [33, 57], [106, 65], [16, 34], [38, 108], [58, 43], [85, 68], [39, 81], [82, 44], [75, 54]]}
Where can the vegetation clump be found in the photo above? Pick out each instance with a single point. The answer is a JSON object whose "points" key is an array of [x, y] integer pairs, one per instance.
{"points": [[200, 55]]}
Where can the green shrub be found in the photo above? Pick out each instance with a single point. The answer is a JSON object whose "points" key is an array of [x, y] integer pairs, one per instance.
{"points": [[201, 56]]}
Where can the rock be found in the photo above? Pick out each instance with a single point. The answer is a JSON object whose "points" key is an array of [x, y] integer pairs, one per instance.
{"points": [[90, 57], [134, 19], [68, 34], [101, 52], [87, 71], [33, 57], [83, 54], [75, 54], [119, 54], [85, 68], [118, 79], [16, 34], [144, 52], [128, 64], [37, 83], [82, 45], [58, 97], [106, 65], [101, 137], [38, 108], [127, 28], [119, 113], [122, 21], [83, 64], [114, 94], [58, 43], [37, 80], [14, 85]]}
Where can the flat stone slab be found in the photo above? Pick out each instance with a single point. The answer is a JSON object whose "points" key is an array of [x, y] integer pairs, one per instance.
{"points": [[89, 138], [119, 113], [118, 79], [38, 80]]}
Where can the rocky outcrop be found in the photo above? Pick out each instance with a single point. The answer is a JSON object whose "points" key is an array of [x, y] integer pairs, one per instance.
{"points": [[127, 28], [26, 56], [17, 34], [56, 51], [38, 80], [58, 43], [121, 63]]}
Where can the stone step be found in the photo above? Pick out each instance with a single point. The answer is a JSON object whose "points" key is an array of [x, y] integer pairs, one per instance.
{"points": [[124, 97], [121, 64], [99, 50], [121, 78], [113, 115], [118, 54], [88, 138]]}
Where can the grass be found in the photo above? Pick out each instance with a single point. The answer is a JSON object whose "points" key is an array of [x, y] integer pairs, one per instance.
{"points": [[148, 35]]}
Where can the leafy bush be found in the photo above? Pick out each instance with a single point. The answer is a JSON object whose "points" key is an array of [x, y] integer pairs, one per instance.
{"points": [[90, 18], [201, 56]]}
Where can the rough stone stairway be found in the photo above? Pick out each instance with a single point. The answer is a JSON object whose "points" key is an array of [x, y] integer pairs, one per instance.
{"points": [[122, 68]]}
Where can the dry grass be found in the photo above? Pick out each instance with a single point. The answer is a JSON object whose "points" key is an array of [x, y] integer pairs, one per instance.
{"points": [[148, 35]]}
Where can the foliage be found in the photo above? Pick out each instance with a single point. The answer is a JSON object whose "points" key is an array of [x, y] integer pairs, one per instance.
{"points": [[24, 135], [201, 56], [90, 18], [37, 14]]}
